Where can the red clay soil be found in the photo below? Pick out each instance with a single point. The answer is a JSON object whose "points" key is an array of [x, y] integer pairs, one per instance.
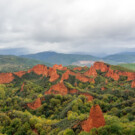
{"points": [[39, 70], [113, 74], [65, 75], [91, 72], [59, 88], [77, 68], [130, 75], [73, 91], [95, 120], [133, 84], [101, 66], [52, 72], [83, 78], [59, 67], [88, 96], [36, 104], [6, 78], [103, 88], [22, 87], [20, 73]]}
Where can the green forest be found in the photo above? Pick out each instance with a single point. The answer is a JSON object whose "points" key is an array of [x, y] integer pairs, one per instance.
{"points": [[58, 114]]}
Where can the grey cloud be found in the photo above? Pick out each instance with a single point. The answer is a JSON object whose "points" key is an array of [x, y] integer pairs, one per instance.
{"points": [[68, 25]]}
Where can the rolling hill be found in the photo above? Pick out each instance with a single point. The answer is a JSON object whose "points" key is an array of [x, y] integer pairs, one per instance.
{"points": [[126, 57], [81, 59], [130, 66], [61, 58], [10, 63]]}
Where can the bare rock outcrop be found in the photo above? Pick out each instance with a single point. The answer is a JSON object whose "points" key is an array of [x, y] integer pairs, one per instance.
{"points": [[39, 70], [101, 66], [133, 84], [6, 78], [91, 72], [95, 120], [52, 73], [20, 73], [36, 104], [59, 88], [88, 96]]}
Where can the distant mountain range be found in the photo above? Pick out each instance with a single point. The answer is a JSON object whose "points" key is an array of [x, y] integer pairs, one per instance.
{"points": [[10, 63], [64, 59], [80, 59]]}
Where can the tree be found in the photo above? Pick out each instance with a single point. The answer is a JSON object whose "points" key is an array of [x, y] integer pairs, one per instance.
{"points": [[68, 132]]}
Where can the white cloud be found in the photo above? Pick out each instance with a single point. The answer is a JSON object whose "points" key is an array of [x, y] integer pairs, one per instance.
{"points": [[68, 25]]}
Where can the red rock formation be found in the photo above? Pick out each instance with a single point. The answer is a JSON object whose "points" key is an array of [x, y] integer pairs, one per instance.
{"points": [[106, 81], [103, 88], [88, 96], [20, 73], [83, 78], [91, 72], [59, 67], [65, 75], [6, 78], [52, 72], [101, 66], [73, 91], [36, 104], [130, 75], [22, 87], [39, 70], [59, 88], [113, 74], [133, 84], [78, 68], [95, 120]]}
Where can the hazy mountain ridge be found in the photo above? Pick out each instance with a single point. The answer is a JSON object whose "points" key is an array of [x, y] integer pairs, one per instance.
{"points": [[70, 59]]}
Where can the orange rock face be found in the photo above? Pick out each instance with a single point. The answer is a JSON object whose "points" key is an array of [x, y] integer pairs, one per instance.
{"points": [[95, 120], [39, 70], [78, 68], [35, 104], [130, 75], [22, 87], [20, 73], [133, 84], [113, 74], [59, 67], [103, 88], [65, 75], [91, 72], [73, 91], [83, 78], [101, 66], [6, 78], [88, 96], [53, 74], [59, 88]]}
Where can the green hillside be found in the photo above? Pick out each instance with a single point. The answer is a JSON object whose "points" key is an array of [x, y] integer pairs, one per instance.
{"points": [[9, 63], [130, 66], [128, 57]]}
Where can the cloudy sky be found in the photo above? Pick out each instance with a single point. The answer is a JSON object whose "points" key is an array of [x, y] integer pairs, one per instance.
{"points": [[88, 26]]}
